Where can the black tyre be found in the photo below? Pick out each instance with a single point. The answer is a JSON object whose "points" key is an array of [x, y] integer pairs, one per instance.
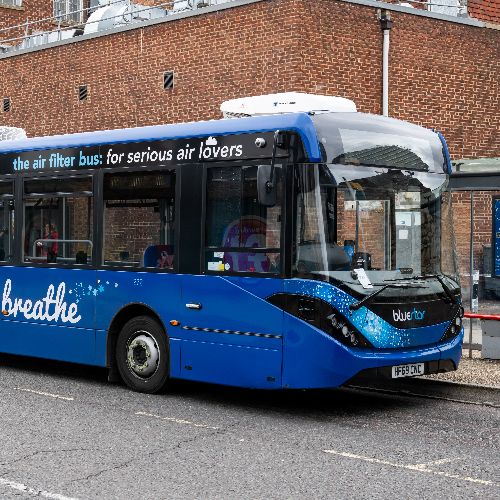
{"points": [[143, 355]]}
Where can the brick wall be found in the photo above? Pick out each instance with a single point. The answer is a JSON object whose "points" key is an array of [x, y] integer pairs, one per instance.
{"points": [[319, 46], [461, 218], [484, 10]]}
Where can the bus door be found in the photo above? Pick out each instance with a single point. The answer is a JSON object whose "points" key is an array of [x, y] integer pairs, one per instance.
{"points": [[231, 334], [49, 300]]}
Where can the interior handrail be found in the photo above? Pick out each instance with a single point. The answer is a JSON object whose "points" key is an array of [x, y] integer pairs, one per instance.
{"points": [[46, 240]]}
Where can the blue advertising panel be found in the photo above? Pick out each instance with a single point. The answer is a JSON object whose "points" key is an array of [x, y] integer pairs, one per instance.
{"points": [[496, 237]]}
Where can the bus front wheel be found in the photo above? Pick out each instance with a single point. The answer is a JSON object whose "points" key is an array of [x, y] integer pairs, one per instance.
{"points": [[143, 355]]}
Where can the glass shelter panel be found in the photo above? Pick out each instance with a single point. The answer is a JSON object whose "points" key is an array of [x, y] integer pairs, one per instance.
{"points": [[139, 219], [485, 244], [237, 222]]}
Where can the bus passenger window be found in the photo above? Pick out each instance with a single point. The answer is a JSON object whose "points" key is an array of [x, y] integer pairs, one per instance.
{"points": [[241, 234], [139, 219], [6, 221], [58, 226]]}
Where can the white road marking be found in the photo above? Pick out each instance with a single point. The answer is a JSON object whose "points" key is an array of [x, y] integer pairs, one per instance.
{"points": [[44, 394], [420, 467], [437, 462], [170, 419], [32, 491]]}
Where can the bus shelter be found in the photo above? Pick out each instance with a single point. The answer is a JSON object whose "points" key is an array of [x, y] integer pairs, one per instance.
{"points": [[475, 185]]}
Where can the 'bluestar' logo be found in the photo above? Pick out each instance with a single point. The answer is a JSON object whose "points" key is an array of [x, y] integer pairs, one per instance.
{"points": [[407, 316]]}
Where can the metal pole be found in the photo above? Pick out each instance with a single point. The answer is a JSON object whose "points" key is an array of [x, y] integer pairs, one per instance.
{"points": [[471, 266], [357, 227], [25, 42], [385, 74]]}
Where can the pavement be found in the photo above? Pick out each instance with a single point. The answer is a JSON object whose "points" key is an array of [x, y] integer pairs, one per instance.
{"points": [[473, 368]]}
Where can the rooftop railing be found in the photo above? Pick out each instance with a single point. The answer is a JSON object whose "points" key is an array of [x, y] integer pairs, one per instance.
{"points": [[129, 12]]}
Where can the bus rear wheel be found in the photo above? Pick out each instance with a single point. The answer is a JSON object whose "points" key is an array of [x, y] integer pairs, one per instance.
{"points": [[143, 355]]}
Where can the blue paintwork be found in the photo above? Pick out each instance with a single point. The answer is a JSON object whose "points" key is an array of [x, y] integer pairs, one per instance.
{"points": [[76, 345], [382, 334], [62, 331], [236, 365], [160, 291], [260, 287], [402, 355], [219, 357], [446, 152], [226, 306], [377, 331], [452, 349], [301, 357], [313, 359], [175, 357], [76, 289], [300, 122], [100, 347]]}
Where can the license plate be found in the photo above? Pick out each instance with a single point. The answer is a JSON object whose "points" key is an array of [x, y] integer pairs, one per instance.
{"points": [[410, 370]]}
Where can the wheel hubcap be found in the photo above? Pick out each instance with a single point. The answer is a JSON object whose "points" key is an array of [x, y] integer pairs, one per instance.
{"points": [[143, 355]]}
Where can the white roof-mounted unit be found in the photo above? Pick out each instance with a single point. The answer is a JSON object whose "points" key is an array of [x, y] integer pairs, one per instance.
{"points": [[12, 133], [287, 102]]}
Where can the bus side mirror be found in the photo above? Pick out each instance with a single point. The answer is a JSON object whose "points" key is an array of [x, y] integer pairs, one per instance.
{"points": [[266, 186]]}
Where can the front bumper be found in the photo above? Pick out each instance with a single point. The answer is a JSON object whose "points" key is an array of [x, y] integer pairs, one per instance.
{"points": [[441, 358]]}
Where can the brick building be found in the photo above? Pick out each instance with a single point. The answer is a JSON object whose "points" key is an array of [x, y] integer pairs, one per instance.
{"points": [[444, 66]]}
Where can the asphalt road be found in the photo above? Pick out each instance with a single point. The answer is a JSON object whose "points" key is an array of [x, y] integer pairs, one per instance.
{"points": [[68, 434]]}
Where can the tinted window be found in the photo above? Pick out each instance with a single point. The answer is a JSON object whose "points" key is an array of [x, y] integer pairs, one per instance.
{"points": [[235, 220], [139, 219], [58, 229]]}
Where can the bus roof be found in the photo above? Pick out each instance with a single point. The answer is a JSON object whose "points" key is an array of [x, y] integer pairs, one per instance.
{"points": [[299, 122]]}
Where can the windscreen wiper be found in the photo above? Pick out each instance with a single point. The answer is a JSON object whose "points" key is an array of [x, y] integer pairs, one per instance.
{"points": [[356, 305], [427, 276]]}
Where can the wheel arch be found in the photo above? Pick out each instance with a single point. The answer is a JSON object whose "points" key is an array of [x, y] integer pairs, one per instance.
{"points": [[126, 313]]}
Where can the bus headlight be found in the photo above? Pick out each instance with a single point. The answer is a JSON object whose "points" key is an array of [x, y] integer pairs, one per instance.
{"points": [[341, 329], [455, 326], [320, 314]]}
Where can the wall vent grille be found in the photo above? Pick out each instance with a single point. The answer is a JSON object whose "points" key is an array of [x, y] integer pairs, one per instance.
{"points": [[82, 93], [168, 80]]}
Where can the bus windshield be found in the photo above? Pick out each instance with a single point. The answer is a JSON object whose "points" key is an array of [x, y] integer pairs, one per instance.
{"points": [[395, 224], [375, 141]]}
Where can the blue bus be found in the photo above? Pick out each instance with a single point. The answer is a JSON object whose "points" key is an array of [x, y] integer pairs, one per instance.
{"points": [[301, 250]]}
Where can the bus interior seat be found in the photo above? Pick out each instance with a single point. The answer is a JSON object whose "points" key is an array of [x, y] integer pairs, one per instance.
{"points": [[160, 256]]}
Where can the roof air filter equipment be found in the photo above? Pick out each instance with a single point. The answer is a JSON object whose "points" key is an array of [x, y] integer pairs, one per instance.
{"points": [[287, 102]]}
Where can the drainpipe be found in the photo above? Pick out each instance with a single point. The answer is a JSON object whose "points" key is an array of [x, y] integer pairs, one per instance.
{"points": [[386, 25]]}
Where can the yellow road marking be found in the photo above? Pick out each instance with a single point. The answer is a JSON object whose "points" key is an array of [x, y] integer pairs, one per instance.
{"points": [[178, 421], [44, 394], [420, 467]]}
